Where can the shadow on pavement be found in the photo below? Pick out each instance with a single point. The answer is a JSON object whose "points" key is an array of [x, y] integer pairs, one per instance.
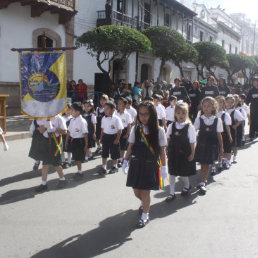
{"points": [[27, 193], [111, 233]]}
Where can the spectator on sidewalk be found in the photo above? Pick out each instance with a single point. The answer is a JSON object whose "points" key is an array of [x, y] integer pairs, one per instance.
{"points": [[82, 91], [147, 89], [108, 12], [137, 92]]}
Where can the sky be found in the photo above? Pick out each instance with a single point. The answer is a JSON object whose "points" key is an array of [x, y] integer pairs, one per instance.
{"points": [[249, 7]]}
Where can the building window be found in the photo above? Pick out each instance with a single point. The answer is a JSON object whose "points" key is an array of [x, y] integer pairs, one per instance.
{"points": [[167, 20], [236, 50], [230, 49], [189, 31], [201, 35], [223, 43], [121, 6], [211, 38], [147, 14], [49, 42]]}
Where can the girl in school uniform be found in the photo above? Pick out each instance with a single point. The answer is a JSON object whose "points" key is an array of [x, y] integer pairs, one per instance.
{"points": [[240, 129], [131, 110], [181, 137], [90, 116], [36, 141], [67, 117], [127, 121], [147, 144], [209, 141], [6, 147], [237, 120], [51, 150], [224, 161], [100, 114], [161, 111], [170, 110], [78, 133]]}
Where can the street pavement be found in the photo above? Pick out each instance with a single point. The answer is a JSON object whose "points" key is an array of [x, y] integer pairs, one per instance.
{"points": [[96, 217]]}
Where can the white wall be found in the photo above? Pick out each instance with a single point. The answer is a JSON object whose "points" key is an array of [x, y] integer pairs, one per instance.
{"points": [[16, 27]]}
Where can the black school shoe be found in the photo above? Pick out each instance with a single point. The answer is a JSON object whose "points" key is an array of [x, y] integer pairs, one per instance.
{"points": [[202, 189], [186, 191], [35, 168], [113, 170], [102, 171], [78, 176], [41, 188], [120, 163], [142, 223], [170, 198]]}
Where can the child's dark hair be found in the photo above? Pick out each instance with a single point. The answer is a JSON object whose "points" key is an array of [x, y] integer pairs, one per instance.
{"points": [[243, 96], [124, 100], [105, 97], [153, 126], [172, 97], [77, 107], [129, 100], [111, 104], [90, 103]]}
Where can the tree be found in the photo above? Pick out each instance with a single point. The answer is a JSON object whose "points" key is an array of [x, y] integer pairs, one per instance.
{"points": [[237, 63], [165, 43], [254, 69], [106, 43], [210, 55], [187, 54]]}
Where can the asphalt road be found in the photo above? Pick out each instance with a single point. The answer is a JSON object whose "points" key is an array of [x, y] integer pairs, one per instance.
{"points": [[97, 216]]}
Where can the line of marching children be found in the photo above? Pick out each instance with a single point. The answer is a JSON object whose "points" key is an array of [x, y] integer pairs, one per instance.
{"points": [[158, 141]]}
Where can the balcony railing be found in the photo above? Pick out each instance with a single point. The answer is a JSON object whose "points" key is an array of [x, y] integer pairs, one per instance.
{"points": [[118, 18]]}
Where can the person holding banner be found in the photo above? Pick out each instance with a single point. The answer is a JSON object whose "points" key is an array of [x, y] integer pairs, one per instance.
{"points": [[181, 137], [51, 150], [147, 144]]}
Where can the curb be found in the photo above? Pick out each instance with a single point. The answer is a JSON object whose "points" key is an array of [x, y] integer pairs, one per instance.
{"points": [[18, 136]]}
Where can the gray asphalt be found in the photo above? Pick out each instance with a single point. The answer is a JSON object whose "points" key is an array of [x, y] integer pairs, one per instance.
{"points": [[96, 217]]}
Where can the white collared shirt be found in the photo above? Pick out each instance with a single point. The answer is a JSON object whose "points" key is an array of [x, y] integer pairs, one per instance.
{"points": [[208, 121], [93, 117], [227, 118], [179, 126], [125, 117], [170, 113], [242, 111], [78, 127], [39, 122], [100, 110], [55, 123], [132, 111], [246, 109], [1, 131], [162, 136], [161, 111], [237, 115], [112, 124]]}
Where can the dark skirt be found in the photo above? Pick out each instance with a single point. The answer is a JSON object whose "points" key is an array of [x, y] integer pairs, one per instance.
{"points": [[35, 148], [48, 150], [77, 146], [143, 174], [227, 145], [98, 131], [123, 141], [69, 146], [206, 153], [91, 141]]}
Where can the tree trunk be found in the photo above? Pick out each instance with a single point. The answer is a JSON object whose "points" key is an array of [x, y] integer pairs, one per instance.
{"points": [[161, 67], [180, 69]]}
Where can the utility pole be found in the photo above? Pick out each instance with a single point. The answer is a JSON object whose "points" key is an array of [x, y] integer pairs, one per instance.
{"points": [[137, 53]]}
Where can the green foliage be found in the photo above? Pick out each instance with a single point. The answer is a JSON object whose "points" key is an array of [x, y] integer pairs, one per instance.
{"points": [[187, 53], [116, 39], [165, 41], [210, 55]]}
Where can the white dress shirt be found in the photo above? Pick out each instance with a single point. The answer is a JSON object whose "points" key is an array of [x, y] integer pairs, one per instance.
{"points": [[170, 113], [125, 117], [161, 111], [93, 117], [112, 124], [132, 111], [237, 115], [208, 121], [78, 127], [227, 118], [55, 123], [191, 131], [39, 122], [162, 136]]}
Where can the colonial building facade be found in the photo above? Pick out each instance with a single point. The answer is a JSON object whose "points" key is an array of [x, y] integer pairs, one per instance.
{"points": [[22, 24]]}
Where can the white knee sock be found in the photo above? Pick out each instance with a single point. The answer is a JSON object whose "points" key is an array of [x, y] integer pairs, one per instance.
{"points": [[172, 180], [186, 181], [69, 157]]}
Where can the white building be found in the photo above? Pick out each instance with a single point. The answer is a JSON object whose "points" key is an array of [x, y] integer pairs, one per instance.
{"points": [[150, 13], [21, 25]]}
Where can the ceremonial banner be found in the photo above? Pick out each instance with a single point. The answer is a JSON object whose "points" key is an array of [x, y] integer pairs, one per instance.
{"points": [[43, 83]]}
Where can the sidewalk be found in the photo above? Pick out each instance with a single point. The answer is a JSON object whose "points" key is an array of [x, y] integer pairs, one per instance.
{"points": [[17, 128]]}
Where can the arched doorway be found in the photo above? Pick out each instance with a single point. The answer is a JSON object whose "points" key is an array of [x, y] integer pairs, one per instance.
{"points": [[145, 72], [49, 42]]}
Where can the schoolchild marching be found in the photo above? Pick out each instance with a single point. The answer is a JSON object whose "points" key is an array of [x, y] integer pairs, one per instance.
{"points": [[111, 130], [181, 136], [78, 135], [209, 141], [170, 110], [90, 116], [147, 144]]}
